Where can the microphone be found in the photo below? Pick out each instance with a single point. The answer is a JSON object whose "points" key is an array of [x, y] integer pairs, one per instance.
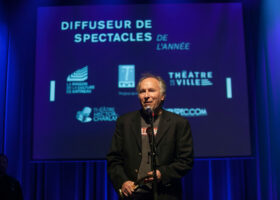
{"points": [[149, 111]]}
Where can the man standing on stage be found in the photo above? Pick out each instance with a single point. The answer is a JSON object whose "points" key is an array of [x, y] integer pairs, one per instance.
{"points": [[129, 159], [9, 187]]}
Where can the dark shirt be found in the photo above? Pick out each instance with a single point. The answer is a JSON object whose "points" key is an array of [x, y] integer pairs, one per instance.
{"points": [[145, 165], [10, 188]]}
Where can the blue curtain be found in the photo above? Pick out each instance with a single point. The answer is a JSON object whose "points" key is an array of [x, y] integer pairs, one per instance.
{"points": [[268, 98], [235, 178]]}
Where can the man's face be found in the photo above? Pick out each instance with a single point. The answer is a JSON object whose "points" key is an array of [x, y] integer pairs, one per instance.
{"points": [[149, 93]]}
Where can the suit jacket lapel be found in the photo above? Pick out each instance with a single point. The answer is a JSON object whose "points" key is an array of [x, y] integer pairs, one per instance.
{"points": [[163, 126], [136, 129]]}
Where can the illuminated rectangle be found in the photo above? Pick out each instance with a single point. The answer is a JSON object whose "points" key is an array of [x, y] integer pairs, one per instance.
{"points": [[109, 63], [126, 76], [52, 91], [229, 88]]}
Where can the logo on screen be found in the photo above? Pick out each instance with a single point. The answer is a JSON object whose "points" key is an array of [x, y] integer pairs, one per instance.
{"points": [[78, 75], [84, 115], [191, 78], [104, 114], [99, 114], [126, 76], [76, 82], [189, 112]]}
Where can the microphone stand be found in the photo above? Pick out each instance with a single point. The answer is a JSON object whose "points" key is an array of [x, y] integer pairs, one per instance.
{"points": [[152, 142]]}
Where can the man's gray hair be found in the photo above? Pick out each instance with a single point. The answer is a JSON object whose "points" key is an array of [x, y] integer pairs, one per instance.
{"points": [[162, 84]]}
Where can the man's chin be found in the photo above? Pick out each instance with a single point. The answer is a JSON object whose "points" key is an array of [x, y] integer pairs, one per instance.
{"points": [[147, 106]]}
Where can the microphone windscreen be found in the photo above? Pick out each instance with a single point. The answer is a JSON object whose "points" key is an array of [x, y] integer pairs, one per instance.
{"points": [[148, 110]]}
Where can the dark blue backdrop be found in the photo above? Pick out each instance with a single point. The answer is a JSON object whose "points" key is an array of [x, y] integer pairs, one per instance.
{"points": [[254, 178], [57, 55]]}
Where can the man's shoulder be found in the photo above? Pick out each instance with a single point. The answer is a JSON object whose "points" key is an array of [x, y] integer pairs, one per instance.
{"points": [[136, 114], [10, 179]]}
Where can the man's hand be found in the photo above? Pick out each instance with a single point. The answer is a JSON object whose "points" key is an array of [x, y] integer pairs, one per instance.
{"points": [[151, 178], [127, 188]]}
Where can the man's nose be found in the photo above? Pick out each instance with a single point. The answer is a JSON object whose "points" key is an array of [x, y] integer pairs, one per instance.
{"points": [[147, 95]]}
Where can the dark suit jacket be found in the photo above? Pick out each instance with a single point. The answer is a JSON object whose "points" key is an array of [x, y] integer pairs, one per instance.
{"points": [[173, 144]]}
